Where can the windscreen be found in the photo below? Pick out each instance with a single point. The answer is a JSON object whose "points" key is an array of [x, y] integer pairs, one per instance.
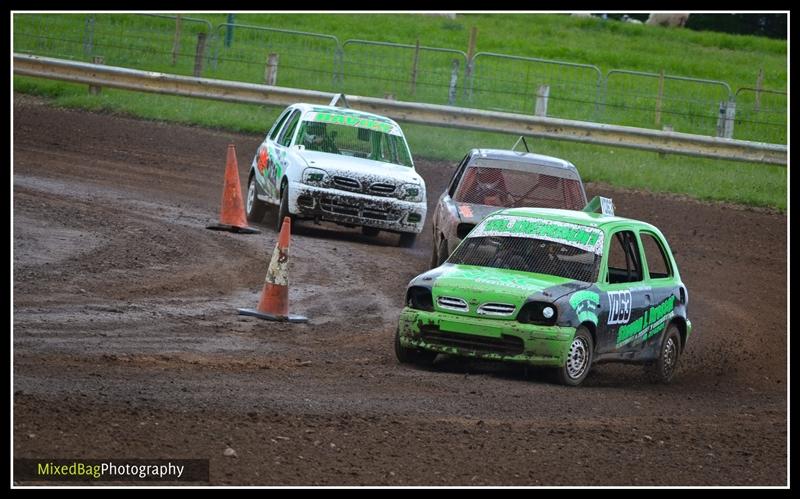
{"points": [[360, 138], [528, 255], [515, 188], [535, 245]]}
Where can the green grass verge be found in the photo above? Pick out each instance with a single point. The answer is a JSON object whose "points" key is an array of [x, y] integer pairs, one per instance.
{"points": [[743, 183]]}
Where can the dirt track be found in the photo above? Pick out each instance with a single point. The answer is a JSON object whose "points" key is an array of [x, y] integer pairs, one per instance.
{"points": [[127, 345]]}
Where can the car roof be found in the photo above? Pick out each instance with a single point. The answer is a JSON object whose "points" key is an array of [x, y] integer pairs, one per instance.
{"points": [[525, 157], [604, 222], [305, 107]]}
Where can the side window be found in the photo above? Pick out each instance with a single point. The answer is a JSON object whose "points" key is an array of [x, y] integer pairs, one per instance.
{"points": [[657, 261], [277, 128], [286, 136], [457, 175], [624, 263]]}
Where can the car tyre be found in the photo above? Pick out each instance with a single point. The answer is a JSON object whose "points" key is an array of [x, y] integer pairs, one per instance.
{"points": [[579, 359], [442, 253], [254, 207], [370, 231], [663, 368], [407, 239], [413, 356], [283, 210]]}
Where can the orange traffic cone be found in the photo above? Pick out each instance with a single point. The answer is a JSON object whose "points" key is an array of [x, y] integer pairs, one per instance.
{"points": [[231, 217], [274, 303]]}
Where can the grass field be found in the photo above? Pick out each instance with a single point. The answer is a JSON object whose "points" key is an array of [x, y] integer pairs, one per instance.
{"points": [[146, 42]]}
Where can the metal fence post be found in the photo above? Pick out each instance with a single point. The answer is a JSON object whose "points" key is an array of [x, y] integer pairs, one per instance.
{"points": [[730, 115], [338, 67], [198, 55], [541, 100], [451, 96], [229, 31], [271, 72], [94, 89], [88, 36]]}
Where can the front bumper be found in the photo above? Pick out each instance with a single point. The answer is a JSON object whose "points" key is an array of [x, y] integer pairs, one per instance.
{"points": [[482, 338], [356, 209]]}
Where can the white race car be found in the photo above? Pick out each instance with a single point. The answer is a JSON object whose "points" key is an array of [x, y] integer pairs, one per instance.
{"points": [[340, 165]]}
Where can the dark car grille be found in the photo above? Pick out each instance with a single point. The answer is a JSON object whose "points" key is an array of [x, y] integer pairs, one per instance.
{"points": [[381, 189], [346, 183], [505, 345]]}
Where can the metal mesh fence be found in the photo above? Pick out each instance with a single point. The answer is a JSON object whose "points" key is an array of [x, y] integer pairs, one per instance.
{"points": [[527, 255], [652, 100], [404, 72], [515, 84], [303, 60], [761, 115], [516, 188], [144, 41], [190, 45]]}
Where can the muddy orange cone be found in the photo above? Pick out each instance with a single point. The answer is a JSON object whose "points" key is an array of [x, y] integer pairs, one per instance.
{"points": [[274, 303], [232, 217]]}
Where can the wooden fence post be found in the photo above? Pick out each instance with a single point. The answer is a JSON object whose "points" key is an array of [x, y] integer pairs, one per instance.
{"points": [[198, 55], [176, 43], [271, 71], [660, 97], [94, 89]]}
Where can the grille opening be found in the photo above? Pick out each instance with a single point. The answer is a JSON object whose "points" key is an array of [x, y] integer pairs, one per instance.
{"points": [[382, 189], [496, 309], [346, 183], [450, 303], [505, 345]]}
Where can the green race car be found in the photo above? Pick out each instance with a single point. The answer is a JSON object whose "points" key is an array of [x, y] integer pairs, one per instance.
{"points": [[549, 287]]}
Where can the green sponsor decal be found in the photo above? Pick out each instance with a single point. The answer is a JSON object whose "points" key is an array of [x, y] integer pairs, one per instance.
{"points": [[571, 234], [649, 324], [585, 303], [354, 121]]}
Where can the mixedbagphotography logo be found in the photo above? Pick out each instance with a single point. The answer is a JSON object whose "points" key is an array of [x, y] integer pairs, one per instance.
{"points": [[89, 470]]}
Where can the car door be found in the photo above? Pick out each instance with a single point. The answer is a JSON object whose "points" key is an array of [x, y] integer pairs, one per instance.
{"points": [[624, 295], [266, 153], [280, 162], [665, 290], [445, 215]]}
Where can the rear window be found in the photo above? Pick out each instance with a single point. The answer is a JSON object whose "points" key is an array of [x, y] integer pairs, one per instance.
{"points": [[514, 188]]}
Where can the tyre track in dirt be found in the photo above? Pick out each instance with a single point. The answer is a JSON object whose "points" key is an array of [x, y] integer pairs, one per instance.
{"points": [[124, 315]]}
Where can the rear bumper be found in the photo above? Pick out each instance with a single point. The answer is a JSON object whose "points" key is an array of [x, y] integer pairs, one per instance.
{"points": [[356, 209], [494, 339]]}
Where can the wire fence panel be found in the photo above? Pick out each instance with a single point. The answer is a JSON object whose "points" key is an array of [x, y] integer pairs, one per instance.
{"points": [[653, 100], [509, 83], [761, 115], [303, 60], [55, 35], [406, 72], [144, 41], [186, 45]]}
